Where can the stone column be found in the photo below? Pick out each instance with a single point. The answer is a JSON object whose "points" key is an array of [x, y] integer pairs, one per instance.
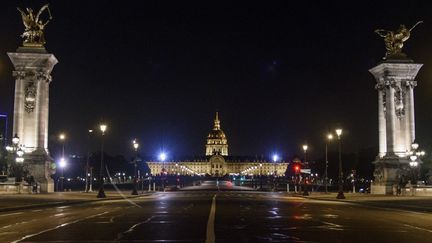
{"points": [[33, 66], [390, 120], [410, 111], [393, 77], [381, 121]]}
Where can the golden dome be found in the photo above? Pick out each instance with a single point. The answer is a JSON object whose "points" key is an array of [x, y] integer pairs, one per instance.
{"points": [[216, 134]]}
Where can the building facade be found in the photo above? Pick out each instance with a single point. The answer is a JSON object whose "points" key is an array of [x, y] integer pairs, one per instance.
{"points": [[217, 162]]}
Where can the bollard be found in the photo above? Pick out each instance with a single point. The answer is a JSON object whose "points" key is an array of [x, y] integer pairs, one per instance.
{"points": [[154, 186], [288, 187]]}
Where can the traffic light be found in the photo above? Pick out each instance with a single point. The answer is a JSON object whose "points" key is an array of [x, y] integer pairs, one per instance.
{"points": [[297, 168]]}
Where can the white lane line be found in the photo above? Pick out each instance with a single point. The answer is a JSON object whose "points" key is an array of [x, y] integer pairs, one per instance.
{"points": [[59, 226], [9, 214], [418, 228], [210, 223], [137, 224], [121, 235]]}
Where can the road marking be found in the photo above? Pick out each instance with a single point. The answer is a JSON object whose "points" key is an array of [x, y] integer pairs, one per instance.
{"points": [[59, 226], [9, 214], [418, 228], [210, 223], [137, 224]]}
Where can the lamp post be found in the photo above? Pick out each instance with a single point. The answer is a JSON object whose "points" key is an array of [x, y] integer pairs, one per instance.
{"points": [[162, 157], [275, 160], [101, 193], [90, 131], [340, 194], [305, 190], [18, 153], [62, 165], [414, 154], [329, 138], [62, 138], [135, 146]]}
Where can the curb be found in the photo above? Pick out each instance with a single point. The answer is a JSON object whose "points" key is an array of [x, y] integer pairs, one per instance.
{"points": [[64, 203], [404, 208]]}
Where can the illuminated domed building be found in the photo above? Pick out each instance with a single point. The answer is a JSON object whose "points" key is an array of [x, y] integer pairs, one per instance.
{"points": [[217, 162], [217, 142]]}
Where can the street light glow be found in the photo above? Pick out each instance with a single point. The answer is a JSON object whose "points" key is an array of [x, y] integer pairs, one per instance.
{"points": [[339, 132], [162, 156], [103, 128], [305, 147], [15, 139], [20, 152], [330, 136], [62, 163], [62, 136], [135, 145]]}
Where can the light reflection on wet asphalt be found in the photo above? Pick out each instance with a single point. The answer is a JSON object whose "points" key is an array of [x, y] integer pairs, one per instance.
{"points": [[240, 217]]}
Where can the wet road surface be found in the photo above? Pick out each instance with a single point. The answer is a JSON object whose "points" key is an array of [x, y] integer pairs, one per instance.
{"points": [[223, 216]]}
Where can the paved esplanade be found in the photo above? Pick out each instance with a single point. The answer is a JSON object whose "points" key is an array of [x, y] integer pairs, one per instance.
{"points": [[226, 216]]}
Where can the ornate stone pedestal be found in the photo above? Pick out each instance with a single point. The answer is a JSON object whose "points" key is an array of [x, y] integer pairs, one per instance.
{"points": [[33, 66], [395, 84], [388, 173]]}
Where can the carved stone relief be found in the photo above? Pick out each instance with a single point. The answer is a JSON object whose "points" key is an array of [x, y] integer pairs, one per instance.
{"points": [[30, 97]]}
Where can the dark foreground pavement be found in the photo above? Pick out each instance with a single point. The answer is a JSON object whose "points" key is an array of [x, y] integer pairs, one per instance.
{"points": [[223, 216]]}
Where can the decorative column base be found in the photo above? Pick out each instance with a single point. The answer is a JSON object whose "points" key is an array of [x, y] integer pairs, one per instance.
{"points": [[38, 164], [388, 173]]}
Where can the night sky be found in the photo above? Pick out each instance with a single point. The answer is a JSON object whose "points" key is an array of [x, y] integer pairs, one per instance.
{"points": [[280, 75]]}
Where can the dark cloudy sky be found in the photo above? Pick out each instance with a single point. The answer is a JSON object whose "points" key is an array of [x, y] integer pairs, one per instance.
{"points": [[279, 74]]}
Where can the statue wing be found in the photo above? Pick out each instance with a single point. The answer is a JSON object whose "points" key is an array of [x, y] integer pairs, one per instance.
{"points": [[381, 32], [419, 22], [41, 11], [25, 18]]}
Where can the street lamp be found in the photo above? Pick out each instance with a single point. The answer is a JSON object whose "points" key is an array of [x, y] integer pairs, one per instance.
{"points": [[329, 138], [62, 164], [340, 192], [101, 193], [413, 156], [275, 160], [135, 146], [162, 157], [305, 190], [62, 138], [87, 189], [15, 139], [18, 153]]}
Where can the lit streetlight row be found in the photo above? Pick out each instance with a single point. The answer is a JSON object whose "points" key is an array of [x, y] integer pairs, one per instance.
{"points": [[329, 138]]}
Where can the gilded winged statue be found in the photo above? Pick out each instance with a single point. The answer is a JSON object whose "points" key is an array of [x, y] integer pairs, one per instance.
{"points": [[34, 26], [394, 40]]}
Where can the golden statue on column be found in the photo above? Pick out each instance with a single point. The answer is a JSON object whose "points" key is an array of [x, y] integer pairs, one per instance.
{"points": [[394, 40], [34, 26]]}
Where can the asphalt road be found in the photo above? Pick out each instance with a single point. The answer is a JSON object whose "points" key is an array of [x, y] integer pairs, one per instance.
{"points": [[223, 216]]}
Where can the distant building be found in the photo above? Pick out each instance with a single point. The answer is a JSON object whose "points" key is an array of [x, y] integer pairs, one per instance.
{"points": [[217, 161]]}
